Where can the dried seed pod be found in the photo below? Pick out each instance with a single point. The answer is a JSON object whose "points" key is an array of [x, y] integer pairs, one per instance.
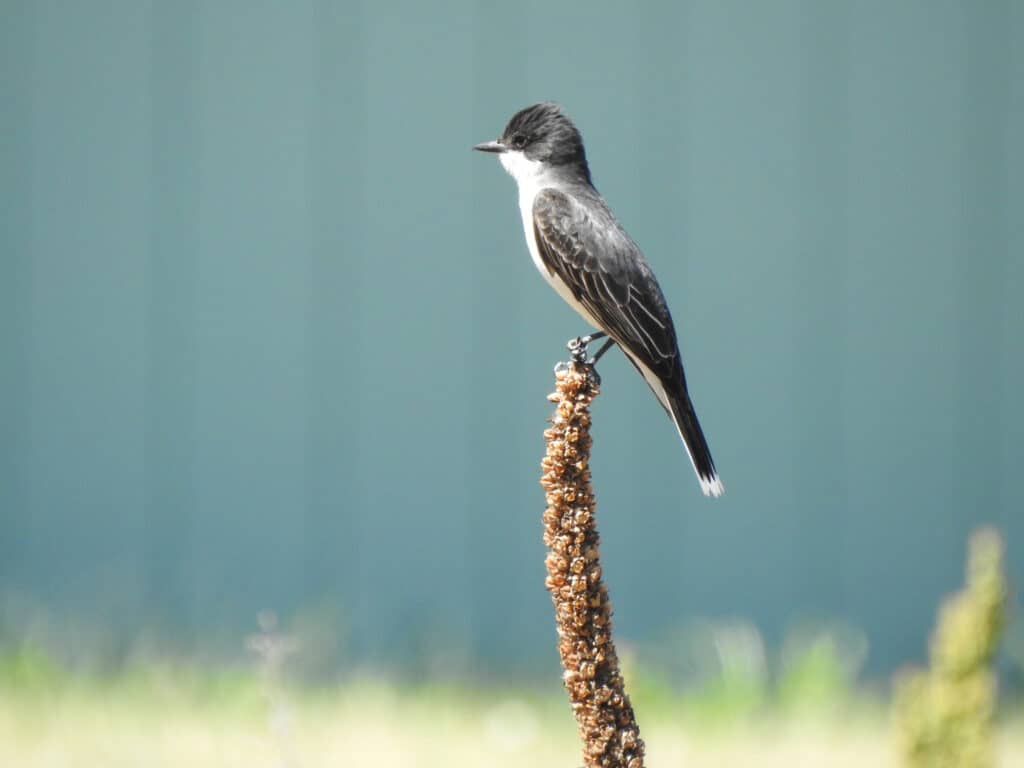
{"points": [[607, 725]]}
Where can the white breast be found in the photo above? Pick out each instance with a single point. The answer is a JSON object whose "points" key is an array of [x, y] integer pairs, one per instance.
{"points": [[531, 178]]}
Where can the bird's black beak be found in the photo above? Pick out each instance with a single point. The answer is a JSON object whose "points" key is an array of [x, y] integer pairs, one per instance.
{"points": [[491, 146]]}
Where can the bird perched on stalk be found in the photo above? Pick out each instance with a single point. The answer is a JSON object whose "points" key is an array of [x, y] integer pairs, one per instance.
{"points": [[586, 256]]}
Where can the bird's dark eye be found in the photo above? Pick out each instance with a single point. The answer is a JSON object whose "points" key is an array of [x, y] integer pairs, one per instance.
{"points": [[518, 141]]}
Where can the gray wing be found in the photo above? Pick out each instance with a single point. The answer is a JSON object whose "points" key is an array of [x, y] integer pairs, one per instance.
{"points": [[606, 273]]}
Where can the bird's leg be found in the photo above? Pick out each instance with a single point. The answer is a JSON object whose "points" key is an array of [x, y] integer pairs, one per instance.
{"points": [[600, 353]]}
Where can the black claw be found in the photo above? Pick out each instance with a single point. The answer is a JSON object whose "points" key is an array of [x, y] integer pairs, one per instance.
{"points": [[578, 348]]}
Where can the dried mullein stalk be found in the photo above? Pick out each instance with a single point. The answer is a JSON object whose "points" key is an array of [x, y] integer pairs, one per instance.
{"points": [[583, 611]]}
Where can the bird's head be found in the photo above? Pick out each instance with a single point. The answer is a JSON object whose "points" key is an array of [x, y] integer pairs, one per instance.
{"points": [[540, 137]]}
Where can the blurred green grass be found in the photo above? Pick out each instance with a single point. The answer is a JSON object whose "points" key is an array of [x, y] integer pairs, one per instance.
{"points": [[171, 722], [162, 714]]}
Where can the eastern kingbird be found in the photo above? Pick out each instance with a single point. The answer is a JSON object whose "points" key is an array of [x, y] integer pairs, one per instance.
{"points": [[588, 258]]}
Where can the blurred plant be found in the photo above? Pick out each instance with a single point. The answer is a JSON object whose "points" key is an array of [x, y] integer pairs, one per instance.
{"points": [[819, 667], [319, 629], [729, 679], [649, 681], [944, 714], [607, 724], [29, 669], [273, 649]]}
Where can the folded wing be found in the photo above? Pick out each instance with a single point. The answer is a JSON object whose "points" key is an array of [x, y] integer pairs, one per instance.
{"points": [[607, 273]]}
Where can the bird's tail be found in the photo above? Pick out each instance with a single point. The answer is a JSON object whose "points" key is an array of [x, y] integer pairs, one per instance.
{"points": [[686, 422]]}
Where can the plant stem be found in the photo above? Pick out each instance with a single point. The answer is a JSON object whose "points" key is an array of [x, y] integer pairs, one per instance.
{"points": [[607, 725]]}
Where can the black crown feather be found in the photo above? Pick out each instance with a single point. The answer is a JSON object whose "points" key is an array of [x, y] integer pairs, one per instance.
{"points": [[543, 132]]}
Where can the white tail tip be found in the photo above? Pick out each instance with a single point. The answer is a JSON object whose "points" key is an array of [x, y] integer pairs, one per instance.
{"points": [[712, 486]]}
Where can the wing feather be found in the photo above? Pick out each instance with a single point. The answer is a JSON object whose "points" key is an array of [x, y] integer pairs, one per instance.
{"points": [[609, 276]]}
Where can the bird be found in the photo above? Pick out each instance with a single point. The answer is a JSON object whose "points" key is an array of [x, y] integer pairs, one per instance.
{"points": [[583, 252]]}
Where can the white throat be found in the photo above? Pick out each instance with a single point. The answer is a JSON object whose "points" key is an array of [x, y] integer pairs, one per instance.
{"points": [[520, 167], [531, 177]]}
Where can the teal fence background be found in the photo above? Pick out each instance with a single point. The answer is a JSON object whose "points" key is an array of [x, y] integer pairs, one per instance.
{"points": [[270, 337]]}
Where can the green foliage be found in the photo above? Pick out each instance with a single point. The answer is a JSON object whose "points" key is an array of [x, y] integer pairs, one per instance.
{"points": [[818, 673], [944, 714], [27, 668], [721, 674], [712, 672]]}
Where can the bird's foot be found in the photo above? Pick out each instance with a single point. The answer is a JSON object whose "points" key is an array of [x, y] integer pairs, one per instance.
{"points": [[579, 349]]}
